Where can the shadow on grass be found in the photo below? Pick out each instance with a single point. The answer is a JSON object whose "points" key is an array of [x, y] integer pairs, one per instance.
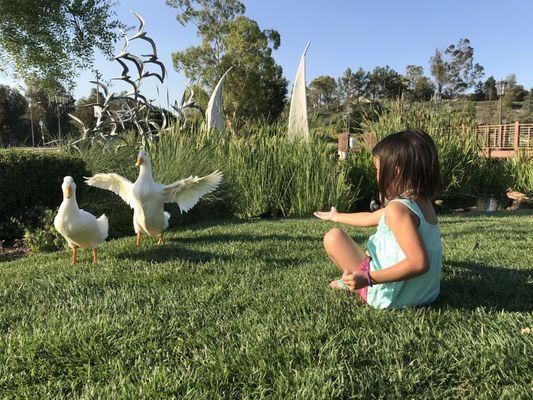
{"points": [[475, 285], [155, 253], [176, 249], [221, 238], [506, 231], [460, 217]]}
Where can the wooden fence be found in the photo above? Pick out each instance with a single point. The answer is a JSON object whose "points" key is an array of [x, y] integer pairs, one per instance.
{"points": [[506, 140]]}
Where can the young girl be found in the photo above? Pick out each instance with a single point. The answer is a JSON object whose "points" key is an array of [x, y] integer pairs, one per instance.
{"points": [[403, 259]]}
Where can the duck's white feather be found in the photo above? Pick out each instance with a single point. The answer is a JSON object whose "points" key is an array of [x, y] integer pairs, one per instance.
{"points": [[80, 228], [187, 192], [115, 183]]}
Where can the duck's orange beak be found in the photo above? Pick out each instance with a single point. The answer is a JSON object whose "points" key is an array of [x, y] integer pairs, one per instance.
{"points": [[139, 162], [68, 192]]}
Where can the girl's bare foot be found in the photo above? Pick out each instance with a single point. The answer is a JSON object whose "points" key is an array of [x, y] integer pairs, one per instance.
{"points": [[335, 284]]}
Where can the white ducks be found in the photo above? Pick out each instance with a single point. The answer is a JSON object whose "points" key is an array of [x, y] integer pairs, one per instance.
{"points": [[78, 227], [147, 197]]}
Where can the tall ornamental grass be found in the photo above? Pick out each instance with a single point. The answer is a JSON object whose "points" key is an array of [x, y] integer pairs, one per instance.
{"points": [[520, 172], [466, 173], [265, 173]]}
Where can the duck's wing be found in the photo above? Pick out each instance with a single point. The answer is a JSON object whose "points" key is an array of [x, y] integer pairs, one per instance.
{"points": [[188, 191], [115, 183]]}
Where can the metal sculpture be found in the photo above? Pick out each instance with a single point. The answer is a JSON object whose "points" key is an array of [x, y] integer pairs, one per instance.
{"points": [[132, 109]]}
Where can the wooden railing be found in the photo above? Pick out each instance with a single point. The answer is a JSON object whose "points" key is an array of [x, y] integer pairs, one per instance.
{"points": [[506, 140]]}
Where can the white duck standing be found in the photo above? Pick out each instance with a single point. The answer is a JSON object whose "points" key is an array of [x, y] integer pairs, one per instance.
{"points": [[147, 197], [78, 227]]}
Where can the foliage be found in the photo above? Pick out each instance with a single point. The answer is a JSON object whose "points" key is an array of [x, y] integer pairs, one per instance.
{"points": [[465, 172], [352, 85], [362, 174], [322, 91], [520, 171], [454, 70], [265, 173], [489, 89], [419, 87], [52, 39], [235, 310], [255, 88], [32, 179], [513, 91], [44, 237], [385, 83], [51, 104], [12, 108]]}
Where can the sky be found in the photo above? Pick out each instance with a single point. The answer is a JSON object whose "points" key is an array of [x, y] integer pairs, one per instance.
{"points": [[349, 33]]}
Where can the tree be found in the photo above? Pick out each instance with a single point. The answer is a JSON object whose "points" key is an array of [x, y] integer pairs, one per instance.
{"points": [[352, 85], [412, 73], [419, 87], [455, 71], [50, 104], [489, 89], [255, 88], [322, 91], [479, 92], [423, 89], [513, 91], [13, 106], [385, 83], [52, 39]]}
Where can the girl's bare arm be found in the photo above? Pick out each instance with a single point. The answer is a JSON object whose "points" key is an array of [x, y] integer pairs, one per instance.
{"points": [[354, 219]]}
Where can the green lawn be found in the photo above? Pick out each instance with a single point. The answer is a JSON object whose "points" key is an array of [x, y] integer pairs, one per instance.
{"points": [[243, 310]]}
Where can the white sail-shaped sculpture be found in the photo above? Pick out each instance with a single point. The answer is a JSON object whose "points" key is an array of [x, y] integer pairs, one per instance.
{"points": [[214, 114], [298, 125]]}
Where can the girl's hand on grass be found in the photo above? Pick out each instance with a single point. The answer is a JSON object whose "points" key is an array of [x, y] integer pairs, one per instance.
{"points": [[355, 280], [326, 215]]}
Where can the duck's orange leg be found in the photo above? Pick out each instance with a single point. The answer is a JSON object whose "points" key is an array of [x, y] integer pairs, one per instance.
{"points": [[95, 256], [74, 258], [138, 240], [161, 240]]}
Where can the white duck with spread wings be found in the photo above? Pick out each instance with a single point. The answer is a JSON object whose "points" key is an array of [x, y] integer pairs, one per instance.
{"points": [[147, 197]]}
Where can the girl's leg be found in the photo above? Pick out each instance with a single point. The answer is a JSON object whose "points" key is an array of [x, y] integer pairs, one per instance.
{"points": [[343, 251]]}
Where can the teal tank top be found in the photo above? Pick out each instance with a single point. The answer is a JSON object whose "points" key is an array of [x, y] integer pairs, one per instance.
{"points": [[385, 252]]}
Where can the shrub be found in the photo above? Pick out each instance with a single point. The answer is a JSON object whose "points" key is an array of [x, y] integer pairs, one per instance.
{"points": [[520, 171], [362, 175], [44, 236], [30, 179]]}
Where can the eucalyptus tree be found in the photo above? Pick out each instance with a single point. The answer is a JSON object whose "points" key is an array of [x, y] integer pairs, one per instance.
{"points": [[454, 69]]}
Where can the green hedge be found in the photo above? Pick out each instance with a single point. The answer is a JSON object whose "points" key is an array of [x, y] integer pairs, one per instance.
{"points": [[30, 179]]}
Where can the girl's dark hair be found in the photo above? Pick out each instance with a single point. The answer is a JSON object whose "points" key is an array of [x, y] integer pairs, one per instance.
{"points": [[408, 162]]}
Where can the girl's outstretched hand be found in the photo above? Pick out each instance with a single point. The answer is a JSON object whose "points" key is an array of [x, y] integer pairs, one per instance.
{"points": [[326, 215], [355, 280]]}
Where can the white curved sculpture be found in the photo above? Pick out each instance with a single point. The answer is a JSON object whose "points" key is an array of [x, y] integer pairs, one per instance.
{"points": [[298, 125], [214, 114]]}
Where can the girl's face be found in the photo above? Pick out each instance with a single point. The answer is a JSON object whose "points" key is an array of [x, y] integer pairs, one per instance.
{"points": [[376, 163]]}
